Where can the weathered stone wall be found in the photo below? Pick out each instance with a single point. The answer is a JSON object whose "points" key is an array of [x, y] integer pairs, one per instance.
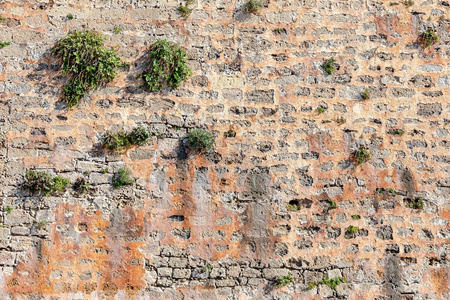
{"points": [[216, 226]]}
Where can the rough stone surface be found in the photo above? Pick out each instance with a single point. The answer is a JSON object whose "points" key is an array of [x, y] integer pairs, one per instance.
{"points": [[276, 199]]}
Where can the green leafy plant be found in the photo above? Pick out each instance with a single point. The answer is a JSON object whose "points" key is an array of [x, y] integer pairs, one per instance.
{"points": [[332, 283], [365, 94], [43, 182], [356, 217], [321, 109], [69, 17], [81, 185], [2, 19], [200, 140], [417, 204], [9, 209], [340, 120], [166, 64], [184, 10], [329, 65], [362, 155], [122, 141], [87, 63], [429, 38], [253, 5], [281, 281], [122, 178], [352, 229], [4, 44], [117, 30], [40, 225], [230, 134], [332, 205]]}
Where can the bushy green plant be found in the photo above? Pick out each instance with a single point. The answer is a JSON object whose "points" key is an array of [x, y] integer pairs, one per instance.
{"points": [[429, 38], [122, 141], [166, 64], [329, 65], [9, 209], [122, 178], [281, 281], [87, 63], [352, 229], [200, 140], [416, 204], [81, 185], [362, 155], [253, 5], [185, 10], [43, 182], [365, 94], [332, 283]]}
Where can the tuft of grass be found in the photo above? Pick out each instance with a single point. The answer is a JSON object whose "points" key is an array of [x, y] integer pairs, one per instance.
{"points": [[253, 5], [351, 230], [122, 178], [44, 183], [281, 281], [39, 225], [329, 65], [356, 217], [200, 140], [321, 110], [365, 95], [184, 10], [396, 132], [340, 120], [117, 29], [230, 134], [362, 155], [429, 38], [416, 204]]}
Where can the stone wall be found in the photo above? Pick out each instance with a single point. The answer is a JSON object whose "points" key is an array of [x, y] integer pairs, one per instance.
{"points": [[217, 225]]}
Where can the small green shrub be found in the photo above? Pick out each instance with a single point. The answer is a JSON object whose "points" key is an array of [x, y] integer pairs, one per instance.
{"points": [[39, 225], [184, 10], [43, 182], [121, 141], [362, 155], [332, 283], [122, 178], [166, 64], [332, 205], [416, 204], [9, 209], [365, 95], [352, 229], [87, 63], [429, 38], [356, 217], [340, 120], [200, 140], [281, 281], [81, 185], [321, 110], [329, 65], [253, 5], [4, 44]]}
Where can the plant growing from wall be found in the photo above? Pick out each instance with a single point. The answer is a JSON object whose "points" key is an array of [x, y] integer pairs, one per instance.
{"points": [[362, 155], [321, 109], [87, 63], [429, 38], [2, 19], [43, 183], [184, 10], [340, 120], [408, 3], [365, 94], [332, 283], [253, 5], [281, 281], [294, 205], [329, 65], [200, 140], [4, 44], [122, 178], [121, 141], [81, 185], [416, 204], [166, 65]]}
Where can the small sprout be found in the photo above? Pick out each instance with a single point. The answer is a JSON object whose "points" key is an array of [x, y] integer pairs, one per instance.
{"points": [[352, 229], [340, 120], [326, 121], [69, 17], [416, 204], [281, 281], [230, 134], [9, 209], [184, 10], [81, 185], [294, 205], [321, 110], [40, 225], [117, 30], [362, 155], [356, 217], [429, 38], [200, 140], [253, 5], [365, 95], [122, 178], [408, 3], [332, 205], [4, 44], [329, 65]]}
